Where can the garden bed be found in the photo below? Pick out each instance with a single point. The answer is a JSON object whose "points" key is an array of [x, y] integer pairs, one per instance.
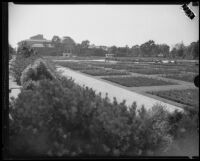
{"points": [[188, 77], [187, 97], [75, 65], [151, 71], [138, 81], [104, 72]]}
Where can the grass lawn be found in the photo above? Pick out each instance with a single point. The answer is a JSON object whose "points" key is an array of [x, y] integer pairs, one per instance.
{"points": [[187, 97], [138, 81]]}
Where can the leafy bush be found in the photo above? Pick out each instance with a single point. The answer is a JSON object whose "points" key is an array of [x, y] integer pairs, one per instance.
{"points": [[56, 117], [62, 118], [184, 127], [11, 51], [37, 71], [24, 57]]}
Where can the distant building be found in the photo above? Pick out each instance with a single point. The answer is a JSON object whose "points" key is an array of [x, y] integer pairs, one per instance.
{"points": [[109, 55], [37, 41], [98, 47]]}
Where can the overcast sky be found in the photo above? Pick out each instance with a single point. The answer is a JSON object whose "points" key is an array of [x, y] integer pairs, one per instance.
{"points": [[108, 25]]}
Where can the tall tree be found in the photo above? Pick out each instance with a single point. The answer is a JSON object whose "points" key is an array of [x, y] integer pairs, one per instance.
{"points": [[85, 44], [11, 51], [56, 41], [68, 44], [194, 50], [135, 50], [112, 50], [147, 49], [164, 49]]}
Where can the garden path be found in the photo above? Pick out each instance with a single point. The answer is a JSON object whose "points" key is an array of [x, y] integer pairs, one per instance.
{"points": [[114, 90]]}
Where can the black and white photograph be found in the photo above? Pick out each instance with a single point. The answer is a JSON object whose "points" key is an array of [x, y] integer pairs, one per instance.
{"points": [[103, 80]]}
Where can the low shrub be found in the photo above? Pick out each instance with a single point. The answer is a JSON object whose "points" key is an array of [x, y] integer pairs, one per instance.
{"points": [[37, 71], [64, 119], [24, 57]]}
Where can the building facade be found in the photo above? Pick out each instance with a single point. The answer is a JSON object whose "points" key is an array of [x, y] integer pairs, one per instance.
{"points": [[37, 41]]}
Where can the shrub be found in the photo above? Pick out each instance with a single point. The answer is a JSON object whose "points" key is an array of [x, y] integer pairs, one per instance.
{"points": [[24, 57], [185, 132], [62, 118], [56, 117], [37, 71], [11, 52]]}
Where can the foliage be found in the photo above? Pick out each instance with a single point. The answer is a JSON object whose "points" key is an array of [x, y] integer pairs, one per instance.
{"points": [[85, 44], [56, 41], [56, 117], [68, 44], [11, 52], [25, 56], [147, 49], [185, 132], [188, 52], [37, 71], [62, 118]]}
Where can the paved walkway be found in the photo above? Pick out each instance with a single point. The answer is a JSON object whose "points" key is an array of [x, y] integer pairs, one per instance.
{"points": [[14, 88], [114, 90]]}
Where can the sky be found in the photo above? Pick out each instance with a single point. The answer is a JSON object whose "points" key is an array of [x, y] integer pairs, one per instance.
{"points": [[108, 25]]}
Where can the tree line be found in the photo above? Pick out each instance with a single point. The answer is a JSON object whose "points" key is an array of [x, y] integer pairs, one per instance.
{"points": [[150, 49], [147, 49]]}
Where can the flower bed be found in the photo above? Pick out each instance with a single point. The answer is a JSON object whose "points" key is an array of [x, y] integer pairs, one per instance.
{"points": [[137, 81], [151, 71], [187, 97], [75, 65], [149, 68], [184, 77], [104, 72]]}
